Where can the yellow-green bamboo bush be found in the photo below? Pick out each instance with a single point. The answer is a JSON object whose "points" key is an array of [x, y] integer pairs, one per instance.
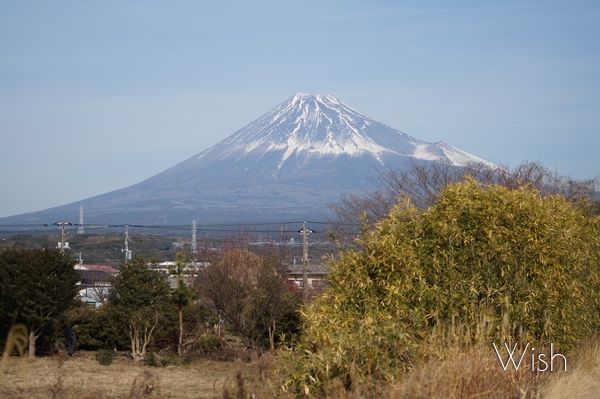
{"points": [[526, 264]]}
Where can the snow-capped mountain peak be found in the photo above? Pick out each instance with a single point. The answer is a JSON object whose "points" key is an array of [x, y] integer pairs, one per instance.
{"points": [[308, 126], [315, 125]]}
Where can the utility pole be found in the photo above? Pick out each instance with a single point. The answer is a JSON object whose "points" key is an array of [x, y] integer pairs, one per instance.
{"points": [[305, 232], [127, 250], [62, 245], [80, 229], [194, 241]]}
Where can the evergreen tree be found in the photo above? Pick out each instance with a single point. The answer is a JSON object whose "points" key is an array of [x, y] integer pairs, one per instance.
{"points": [[138, 295], [36, 287]]}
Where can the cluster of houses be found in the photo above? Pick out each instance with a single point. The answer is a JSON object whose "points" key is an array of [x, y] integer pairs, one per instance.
{"points": [[94, 284]]}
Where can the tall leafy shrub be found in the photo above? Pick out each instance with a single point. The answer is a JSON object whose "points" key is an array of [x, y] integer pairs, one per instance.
{"points": [[528, 265]]}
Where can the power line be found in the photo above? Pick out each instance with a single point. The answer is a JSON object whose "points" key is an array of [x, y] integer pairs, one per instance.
{"points": [[334, 223], [62, 245], [205, 227], [27, 225]]}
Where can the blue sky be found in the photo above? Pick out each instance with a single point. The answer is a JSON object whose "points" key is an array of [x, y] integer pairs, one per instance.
{"points": [[97, 95]]}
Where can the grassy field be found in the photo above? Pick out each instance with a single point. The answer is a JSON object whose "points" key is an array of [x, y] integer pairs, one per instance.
{"points": [[472, 374], [81, 376]]}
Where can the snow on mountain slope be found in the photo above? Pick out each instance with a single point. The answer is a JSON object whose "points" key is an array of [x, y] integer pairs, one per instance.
{"points": [[443, 152], [322, 125]]}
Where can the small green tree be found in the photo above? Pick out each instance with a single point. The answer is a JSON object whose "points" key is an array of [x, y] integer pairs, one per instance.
{"points": [[138, 295], [181, 296], [98, 328], [36, 287]]}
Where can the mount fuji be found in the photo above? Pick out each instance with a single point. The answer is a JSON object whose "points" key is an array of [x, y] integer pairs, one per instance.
{"points": [[289, 163]]}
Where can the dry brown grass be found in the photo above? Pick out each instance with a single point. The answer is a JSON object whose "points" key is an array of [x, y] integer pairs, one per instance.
{"points": [[83, 377], [583, 379], [475, 373], [472, 373]]}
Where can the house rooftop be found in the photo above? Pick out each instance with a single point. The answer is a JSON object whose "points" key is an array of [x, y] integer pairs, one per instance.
{"points": [[96, 268]]}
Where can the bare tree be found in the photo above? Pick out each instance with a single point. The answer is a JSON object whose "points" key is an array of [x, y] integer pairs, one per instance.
{"points": [[422, 183], [228, 283], [250, 293], [100, 293]]}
